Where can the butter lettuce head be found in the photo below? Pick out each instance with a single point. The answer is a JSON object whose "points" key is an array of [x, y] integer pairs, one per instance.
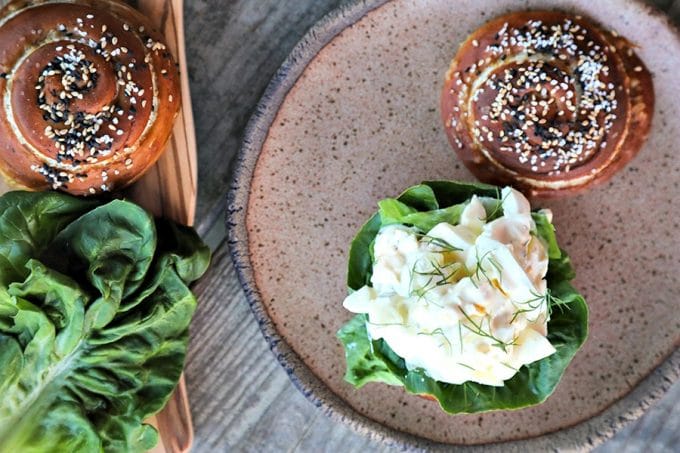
{"points": [[94, 313], [424, 206]]}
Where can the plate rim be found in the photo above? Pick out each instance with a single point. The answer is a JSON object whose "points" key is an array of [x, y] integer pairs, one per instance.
{"points": [[585, 434]]}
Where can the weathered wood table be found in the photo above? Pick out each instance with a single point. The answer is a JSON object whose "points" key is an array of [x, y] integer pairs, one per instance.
{"points": [[241, 398]]}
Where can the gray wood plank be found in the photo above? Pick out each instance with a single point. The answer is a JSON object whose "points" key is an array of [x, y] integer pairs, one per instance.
{"points": [[658, 430], [233, 49], [241, 398]]}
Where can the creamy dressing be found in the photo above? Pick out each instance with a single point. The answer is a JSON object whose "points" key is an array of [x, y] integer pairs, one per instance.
{"points": [[464, 302]]}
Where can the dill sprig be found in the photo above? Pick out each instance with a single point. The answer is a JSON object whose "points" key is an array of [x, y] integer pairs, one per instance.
{"points": [[554, 301], [518, 312], [441, 243], [438, 271], [479, 267], [440, 332], [537, 301], [439, 275], [498, 206], [497, 266], [509, 366], [477, 329], [532, 304], [423, 290]]}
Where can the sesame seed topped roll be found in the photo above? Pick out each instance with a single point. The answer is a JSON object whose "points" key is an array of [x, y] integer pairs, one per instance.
{"points": [[546, 101], [89, 95]]}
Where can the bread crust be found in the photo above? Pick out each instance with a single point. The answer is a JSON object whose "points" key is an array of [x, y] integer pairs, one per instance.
{"points": [[546, 101], [90, 93]]}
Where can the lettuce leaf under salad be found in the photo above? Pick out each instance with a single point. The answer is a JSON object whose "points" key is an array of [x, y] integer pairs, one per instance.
{"points": [[422, 207], [94, 316]]}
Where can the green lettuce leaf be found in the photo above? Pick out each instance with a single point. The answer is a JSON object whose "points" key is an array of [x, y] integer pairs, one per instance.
{"points": [[362, 363], [394, 211], [94, 315], [546, 232], [374, 361], [28, 222]]}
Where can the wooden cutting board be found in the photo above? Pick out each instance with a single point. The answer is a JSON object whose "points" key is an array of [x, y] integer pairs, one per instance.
{"points": [[169, 190]]}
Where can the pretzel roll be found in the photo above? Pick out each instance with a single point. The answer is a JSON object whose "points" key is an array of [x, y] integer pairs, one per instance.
{"points": [[89, 95], [546, 101]]}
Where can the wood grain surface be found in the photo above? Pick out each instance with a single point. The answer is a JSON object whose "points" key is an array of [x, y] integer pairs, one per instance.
{"points": [[169, 190], [241, 399]]}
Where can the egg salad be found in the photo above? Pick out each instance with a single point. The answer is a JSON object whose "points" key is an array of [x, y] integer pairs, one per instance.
{"points": [[465, 303]]}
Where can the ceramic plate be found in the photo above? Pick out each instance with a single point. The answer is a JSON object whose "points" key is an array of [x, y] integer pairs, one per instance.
{"points": [[352, 117]]}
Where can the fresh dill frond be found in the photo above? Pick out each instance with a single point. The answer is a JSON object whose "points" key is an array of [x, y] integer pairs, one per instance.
{"points": [[424, 290], [440, 332], [497, 266], [498, 206], [438, 271], [479, 266], [537, 301], [533, 304], [554, 301], [519, 312], [477, 329], [411, 276], [442, 243]]}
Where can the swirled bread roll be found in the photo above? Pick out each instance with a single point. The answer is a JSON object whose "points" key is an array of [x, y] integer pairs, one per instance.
{"points": [[89, 95], [546, 101]]}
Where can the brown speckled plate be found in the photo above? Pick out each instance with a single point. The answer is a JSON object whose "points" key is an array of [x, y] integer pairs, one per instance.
{"points": [[352, 117]]}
